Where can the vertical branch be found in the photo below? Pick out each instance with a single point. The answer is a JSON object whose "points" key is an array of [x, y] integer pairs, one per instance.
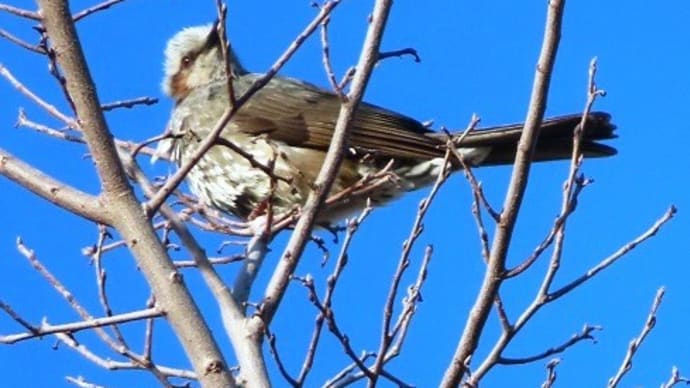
{"points": [[128, 216], [501, 242]]}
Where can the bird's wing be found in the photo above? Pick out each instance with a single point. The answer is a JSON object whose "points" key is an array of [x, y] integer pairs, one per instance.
{"points": [[303, 115]]}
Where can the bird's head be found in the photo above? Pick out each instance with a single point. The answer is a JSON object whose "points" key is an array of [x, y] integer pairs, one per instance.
{"points": [[193, 58]]}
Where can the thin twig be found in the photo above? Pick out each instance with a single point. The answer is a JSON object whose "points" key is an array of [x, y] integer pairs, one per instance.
{"points": [[585, 334], [551, 373], [96, 8], [675, 378], [51, 109], [21, 12], [326, 58], [129, 103], [45, 328], [109, 364], [22, 43], [341, 261], [403, 263], [400, 53], [634, 346]]}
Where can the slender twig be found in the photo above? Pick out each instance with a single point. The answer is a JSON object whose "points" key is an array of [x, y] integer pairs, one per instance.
{"points": [[226, 51], [341, 261], [551, 373], [337, 380], [416, 230], [109, 364], [273, 346], [21, 43], [605, 263], [635, 343], [675, 379], [400, 53], [45, 328], [21, 12], [329, 315], [81, 382], [585, 334], [51, 109], [96, 8], [129, 103], [574, 178], [402, 325], [326, 58]]}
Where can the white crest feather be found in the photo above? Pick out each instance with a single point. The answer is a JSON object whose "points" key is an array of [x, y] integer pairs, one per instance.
{"points": [[185, 41]]}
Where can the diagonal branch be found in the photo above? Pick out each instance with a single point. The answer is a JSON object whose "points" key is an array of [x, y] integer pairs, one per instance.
{"points": [[52, 190], [518, 182], [649, 324], [281, 276]]}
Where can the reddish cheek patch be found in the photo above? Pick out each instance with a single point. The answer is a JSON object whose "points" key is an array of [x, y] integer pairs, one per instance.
{"points": [[178, 85]]}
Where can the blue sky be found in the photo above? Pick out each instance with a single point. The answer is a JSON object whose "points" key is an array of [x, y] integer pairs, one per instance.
{"points": [[477, 57]]}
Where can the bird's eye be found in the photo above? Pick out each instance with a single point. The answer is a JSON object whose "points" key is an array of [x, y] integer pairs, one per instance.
{"points": [[186, 61]]}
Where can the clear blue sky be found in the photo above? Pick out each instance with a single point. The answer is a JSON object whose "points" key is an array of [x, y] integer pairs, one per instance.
{"points": [[477, 57]]}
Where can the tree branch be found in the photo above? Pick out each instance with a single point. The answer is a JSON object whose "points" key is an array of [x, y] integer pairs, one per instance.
{"points": [[496, 267], [52, 190], [286, 266], [166, 283]]}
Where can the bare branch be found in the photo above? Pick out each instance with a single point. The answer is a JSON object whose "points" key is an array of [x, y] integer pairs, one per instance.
{"points": [[616, 255], [163, 371], [585, 334], [81, 382], [416, 230], [51, 109], [400, 53], [21, 12], [649, 324], [281, 276], [52, 190], [675, 378], [96, 8], [341, 261], [133, 225], [247, 348], [326, 58], [45, 328], [129, 103], [34, 48], [494, 274], [551, 373]]}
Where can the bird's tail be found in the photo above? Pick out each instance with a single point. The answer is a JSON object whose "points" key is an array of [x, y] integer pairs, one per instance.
{"points": [[555, 139]]}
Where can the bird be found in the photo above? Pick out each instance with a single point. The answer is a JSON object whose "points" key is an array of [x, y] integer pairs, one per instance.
{"points": [[288, 125]]}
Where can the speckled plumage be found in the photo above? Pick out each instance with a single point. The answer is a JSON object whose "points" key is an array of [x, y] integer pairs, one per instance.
{"points": [[292, 122]]}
